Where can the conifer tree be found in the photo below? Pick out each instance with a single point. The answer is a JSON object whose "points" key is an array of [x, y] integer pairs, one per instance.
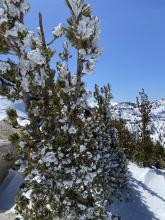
{"points": [[126, 140], [158, 156], [140, 147], [145, 144], [112, 161], [57, 151]]}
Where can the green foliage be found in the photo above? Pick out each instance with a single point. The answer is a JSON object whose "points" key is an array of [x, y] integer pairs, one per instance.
{"points": [[112, 160], [144, 107], [135, 150], [85, 7], [140, 148], [145, 142], [158, 156], [9, 158], [126, 140], [12, 116], [77, 41], [155, 154], [4, 47], [9, 85], [14, 138], [60, 152]]}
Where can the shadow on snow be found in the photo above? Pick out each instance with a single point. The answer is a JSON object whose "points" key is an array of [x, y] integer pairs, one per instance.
{"points": [[134, 208]]}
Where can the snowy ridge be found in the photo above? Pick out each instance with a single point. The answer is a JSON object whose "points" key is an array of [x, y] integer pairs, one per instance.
{"points": [[129, 113]]}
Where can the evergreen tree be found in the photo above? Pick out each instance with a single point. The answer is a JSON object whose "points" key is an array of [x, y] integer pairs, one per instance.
{"points": [[112, 161], [145, 142], [139, 147], [57, 152], [158, 155], [126, 140]]}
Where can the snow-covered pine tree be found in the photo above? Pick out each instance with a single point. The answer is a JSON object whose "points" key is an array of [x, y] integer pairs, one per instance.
{"points": [[145, 142], [57, 152], [112, 161]]}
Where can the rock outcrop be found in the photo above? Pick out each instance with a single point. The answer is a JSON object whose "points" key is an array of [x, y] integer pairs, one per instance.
{"points": [[5, 131]]}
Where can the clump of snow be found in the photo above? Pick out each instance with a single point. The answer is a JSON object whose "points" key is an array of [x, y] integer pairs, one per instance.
{"points": [[82, 148], [35, 56], [82, 53], [18, 28], [87, 27], [4, 66], [24, 7], [58, 31], [3, 16], [50, 157], [72, 130], [89, 66], [29, 38], [76, 6]]}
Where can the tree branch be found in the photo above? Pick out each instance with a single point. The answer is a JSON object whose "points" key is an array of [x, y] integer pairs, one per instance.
{"points": [[42, 29], [6, 82], [51, 42], [79, 75]]}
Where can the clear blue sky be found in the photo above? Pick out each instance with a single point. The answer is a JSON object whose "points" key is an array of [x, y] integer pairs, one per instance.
{"points": [[133, 38]]}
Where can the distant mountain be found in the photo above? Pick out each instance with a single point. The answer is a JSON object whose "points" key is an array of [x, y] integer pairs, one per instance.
{"points": [[129, 113]]}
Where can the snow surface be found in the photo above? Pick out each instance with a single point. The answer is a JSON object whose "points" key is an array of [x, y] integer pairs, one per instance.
{"points": [[147, 195], [8, 189], [58, 30]]}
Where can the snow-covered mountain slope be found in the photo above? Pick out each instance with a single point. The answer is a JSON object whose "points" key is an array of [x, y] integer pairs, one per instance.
{"points": [[129, 112], [147, 195], [10, 185], [5, 104], [18, 105]]}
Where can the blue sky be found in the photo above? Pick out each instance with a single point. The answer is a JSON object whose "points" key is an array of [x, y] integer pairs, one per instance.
{"points": [[133, 38]]}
